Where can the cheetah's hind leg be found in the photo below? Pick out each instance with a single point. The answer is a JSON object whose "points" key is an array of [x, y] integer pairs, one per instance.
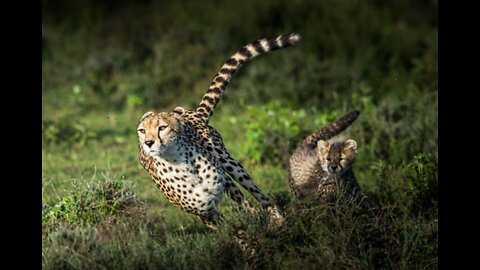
{"points": [[236, 171], [237, 196], [213, 219]]}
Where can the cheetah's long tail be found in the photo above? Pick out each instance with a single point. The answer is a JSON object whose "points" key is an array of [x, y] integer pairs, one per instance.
{"points": [[332, 129], [217, 87]]}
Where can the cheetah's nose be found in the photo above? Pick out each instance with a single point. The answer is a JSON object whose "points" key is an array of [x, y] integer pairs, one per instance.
{"points": [[149, 143], [334, 167]]}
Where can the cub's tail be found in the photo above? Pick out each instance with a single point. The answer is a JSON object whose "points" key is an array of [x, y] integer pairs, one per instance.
{"points": [[332, 129]]}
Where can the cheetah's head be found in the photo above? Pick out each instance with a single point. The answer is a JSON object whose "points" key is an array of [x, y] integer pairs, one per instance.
{"points": [[157, 132], [338, 157]]}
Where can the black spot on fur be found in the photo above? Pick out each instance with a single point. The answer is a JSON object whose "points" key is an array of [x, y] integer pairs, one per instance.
{"points": [[220, 79], [245, 52], [227, 71], [231, 61], [208, 99], [258, 46], [272, 45], [285, 40], [216, 90]]}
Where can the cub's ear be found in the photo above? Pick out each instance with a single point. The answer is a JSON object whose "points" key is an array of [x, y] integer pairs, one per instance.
{"points": [[322, 146], [351, 144], [145, 115], [179, 110]]}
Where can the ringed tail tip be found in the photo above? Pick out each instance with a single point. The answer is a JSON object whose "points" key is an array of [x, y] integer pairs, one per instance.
{"points": [[294, 38]]}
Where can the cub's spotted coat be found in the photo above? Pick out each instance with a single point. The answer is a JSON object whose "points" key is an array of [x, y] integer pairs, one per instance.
{"points": [[187, 158], [309, 175], [336, 159]]}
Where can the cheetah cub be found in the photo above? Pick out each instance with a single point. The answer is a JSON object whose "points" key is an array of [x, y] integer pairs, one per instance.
{"points": [[336, 160], [317, 167]]}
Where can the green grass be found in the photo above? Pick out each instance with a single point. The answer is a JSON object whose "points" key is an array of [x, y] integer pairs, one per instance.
{"points": [[104, 66]]}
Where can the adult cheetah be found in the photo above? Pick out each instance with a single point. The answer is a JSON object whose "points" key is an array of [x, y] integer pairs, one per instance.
{"points": [[186, 157]]}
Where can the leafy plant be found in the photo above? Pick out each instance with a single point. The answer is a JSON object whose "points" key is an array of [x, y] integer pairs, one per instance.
{"points": [[87, 206]]}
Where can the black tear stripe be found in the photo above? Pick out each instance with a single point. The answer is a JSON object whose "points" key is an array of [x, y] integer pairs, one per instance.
{"points": [[231, 65]]}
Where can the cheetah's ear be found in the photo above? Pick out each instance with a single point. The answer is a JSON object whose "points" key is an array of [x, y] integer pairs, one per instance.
{"points": [[322, 146], [179, 110], [351, 144], [145, 115]]}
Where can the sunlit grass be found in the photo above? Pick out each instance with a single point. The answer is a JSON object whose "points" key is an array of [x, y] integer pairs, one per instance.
{"points": [[104, 67]]}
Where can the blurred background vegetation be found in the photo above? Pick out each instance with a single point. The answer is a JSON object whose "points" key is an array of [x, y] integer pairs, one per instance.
{"points": [[105, 63]]}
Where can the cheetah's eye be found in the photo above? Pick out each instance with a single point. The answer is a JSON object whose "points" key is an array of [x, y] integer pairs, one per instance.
{"points": [[160, 128], [329, 159], [341, 159], [141, 130]]}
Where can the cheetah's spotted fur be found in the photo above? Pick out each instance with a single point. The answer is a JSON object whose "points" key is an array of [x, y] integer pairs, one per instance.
{"points": [[187, 158], [306, 172], [321, 169]]}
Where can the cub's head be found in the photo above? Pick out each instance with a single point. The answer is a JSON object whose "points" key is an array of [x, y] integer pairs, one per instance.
{"points": [[338, 157], [158, 131]]}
